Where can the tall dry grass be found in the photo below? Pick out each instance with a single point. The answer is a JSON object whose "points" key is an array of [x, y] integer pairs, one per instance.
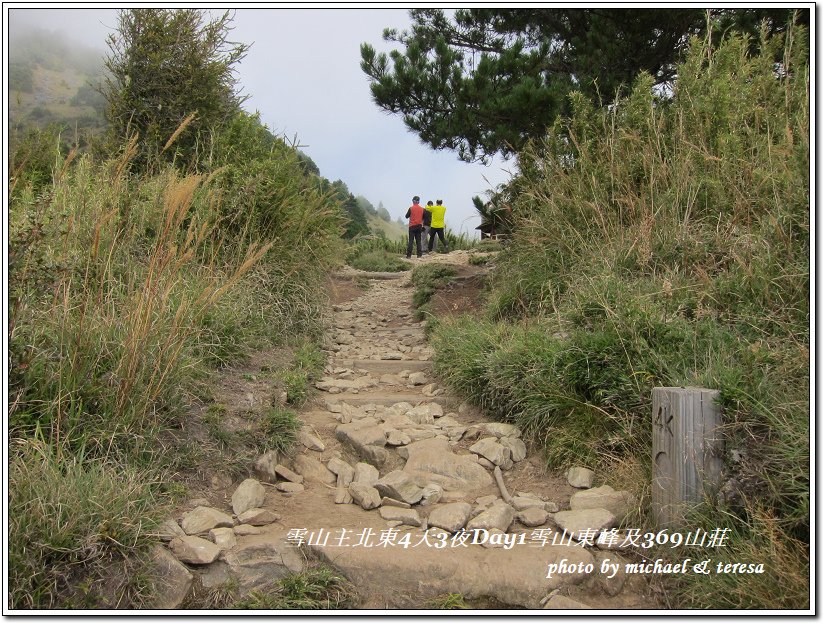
{"points": [[124, 292], [664, 241]]}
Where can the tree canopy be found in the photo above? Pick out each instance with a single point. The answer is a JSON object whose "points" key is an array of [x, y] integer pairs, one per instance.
{"points": [[166, 65], [487, 80]]}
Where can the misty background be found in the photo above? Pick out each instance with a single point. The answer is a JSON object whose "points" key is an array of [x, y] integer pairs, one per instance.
{"points": [[302, 74]]}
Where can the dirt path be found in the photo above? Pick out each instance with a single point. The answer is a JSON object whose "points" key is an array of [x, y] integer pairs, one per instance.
{"points": [[417, 461]]}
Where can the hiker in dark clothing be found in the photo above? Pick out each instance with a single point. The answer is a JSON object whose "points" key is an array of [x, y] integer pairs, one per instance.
{"points": [[427, 222], [415, 216]]}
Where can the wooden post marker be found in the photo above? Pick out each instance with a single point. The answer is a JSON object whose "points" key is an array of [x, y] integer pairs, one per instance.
{"points": [[687, 450]]}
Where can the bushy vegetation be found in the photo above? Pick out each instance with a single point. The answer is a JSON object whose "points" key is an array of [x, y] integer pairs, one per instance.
{"points": [[319, 587], [124, 292], [427, 279], [127, 286], [664, 241]]}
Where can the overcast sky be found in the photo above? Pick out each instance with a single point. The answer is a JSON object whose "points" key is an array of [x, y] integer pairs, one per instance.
{"points": [[303, 74]]}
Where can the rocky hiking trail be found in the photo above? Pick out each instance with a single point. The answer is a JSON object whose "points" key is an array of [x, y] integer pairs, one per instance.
{"points": [[392, 481]]}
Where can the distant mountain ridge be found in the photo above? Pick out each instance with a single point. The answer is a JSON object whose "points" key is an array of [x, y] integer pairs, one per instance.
{"points": [[52, 80]]}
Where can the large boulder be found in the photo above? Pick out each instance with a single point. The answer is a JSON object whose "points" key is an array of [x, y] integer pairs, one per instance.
{"points": [[194, 550], [620, 503], [171, 580], [499, 516], [432, 461], [400, 486], [451, 517], [248, 495], [201, 519]]}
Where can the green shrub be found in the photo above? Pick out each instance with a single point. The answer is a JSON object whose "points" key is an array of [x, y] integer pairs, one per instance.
{"points": [[429, 274]]}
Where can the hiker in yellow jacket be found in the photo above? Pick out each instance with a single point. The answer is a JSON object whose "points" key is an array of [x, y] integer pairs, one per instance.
{"points": [[438, 212]]}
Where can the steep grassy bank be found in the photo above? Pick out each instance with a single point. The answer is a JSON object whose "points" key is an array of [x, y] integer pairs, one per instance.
{"points": [[665, 242], [126, 290]]}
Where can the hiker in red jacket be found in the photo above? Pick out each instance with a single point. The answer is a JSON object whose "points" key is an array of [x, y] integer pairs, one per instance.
{"points": [[415, 216]]}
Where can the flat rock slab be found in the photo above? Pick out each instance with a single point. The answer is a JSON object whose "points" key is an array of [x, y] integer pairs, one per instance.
{"points": [[533, 516], [367, 438], [284, 472], [308, 438], [401, 486], [406, 578], [258, 516], [404, 516], [432, 461]]}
